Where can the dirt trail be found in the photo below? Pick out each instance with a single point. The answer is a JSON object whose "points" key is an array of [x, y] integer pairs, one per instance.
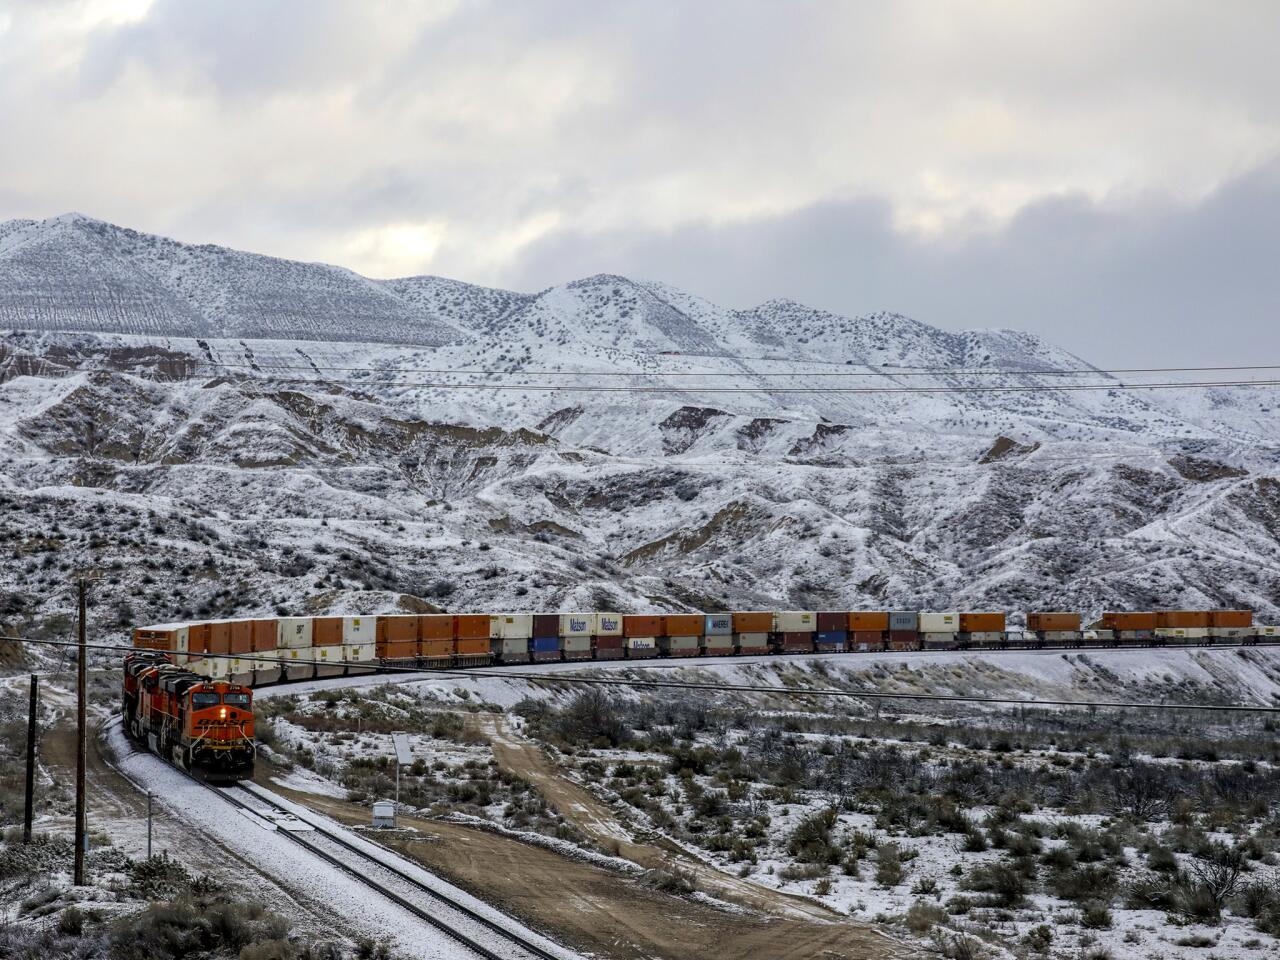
{"points": [[598, 820], [594, 909]]}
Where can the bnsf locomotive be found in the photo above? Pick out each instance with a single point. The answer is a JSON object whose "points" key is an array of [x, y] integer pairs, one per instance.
{"points": [[202, 725]]}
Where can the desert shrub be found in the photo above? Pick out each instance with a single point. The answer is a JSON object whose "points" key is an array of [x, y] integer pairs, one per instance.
{"points": [[71, 922], [671, 881], [158, 877], [921, 917], [1004, 886], [889, 869], [183, 927], [1162, 859], [1039, 938], [1095, 916], [1084, 884], [810, 842]]}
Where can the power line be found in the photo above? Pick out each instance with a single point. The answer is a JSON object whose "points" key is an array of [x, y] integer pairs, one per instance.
{"points": [[513, 674]]}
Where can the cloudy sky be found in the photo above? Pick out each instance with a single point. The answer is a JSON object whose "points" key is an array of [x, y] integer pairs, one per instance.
{"points": [[1104, 173]]}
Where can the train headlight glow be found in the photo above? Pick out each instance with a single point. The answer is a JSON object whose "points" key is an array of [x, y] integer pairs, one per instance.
{"points": [[222, 713]]}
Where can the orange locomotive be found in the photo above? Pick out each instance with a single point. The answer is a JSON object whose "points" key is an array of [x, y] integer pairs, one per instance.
{"points": [[201, 725]]}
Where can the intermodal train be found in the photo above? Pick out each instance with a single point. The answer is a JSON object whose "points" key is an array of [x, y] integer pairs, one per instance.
{"points": [[201, 724], [261, 651]]}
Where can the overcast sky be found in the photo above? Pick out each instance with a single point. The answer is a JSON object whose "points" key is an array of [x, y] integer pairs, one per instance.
{"points": [[1106, 174]]}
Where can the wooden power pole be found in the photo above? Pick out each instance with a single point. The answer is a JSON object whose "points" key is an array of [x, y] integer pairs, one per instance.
{"points": [[81, 740], [28, 810]]}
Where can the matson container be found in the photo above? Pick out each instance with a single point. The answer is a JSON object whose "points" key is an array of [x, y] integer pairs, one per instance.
{"points": [[641, 648], [829, 622], [759, 621], [294, 632], [576, 648], [869, 641], [608, 646], [1128, 620], [608, 625], [795, 621], [435, 639], [939, 623], [641, 626], [576, 625], [683, 624], [750, 643], [831, 641], [796, 641], [1041, 621], [546, 624], [1182, 619], [982, 623], [680, 646], [719, 644], [545, 648], [868, 620], [359, 657], [904, 640], [326, 631], [718, 625], [904, 620]]}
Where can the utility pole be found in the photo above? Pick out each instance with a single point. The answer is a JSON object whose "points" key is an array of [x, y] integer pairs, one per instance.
{"points": [[148, 824], [81, 739], [31, 761]]}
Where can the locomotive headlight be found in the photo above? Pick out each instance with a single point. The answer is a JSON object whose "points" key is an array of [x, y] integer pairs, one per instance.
{"points": [[222, 713]]}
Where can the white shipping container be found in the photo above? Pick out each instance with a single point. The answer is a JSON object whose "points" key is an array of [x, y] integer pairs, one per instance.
{"points": [[511, 626], [1182, 633], [577, 624], [181, 641], [608, 625], [1061, 636], [795, 621], [1230, 633], [359, 629], [935, 640], [297, 655], [1099, 635], [293, 632], [359, 652], [987, 637], [719, 641], [753, 639], [939, 622], [641, 643], [1266, 631]]}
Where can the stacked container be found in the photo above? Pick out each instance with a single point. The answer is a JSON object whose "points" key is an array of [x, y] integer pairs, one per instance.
{"points": [[833, 632], [868, 630], [168, 637], [793, 631], [981, 630], [397, 639], [510, 637], [641, 636], [717, 629], [1127, 626], [359, 644], [436, 644], [1231, 624], [904, 630], [471, 631], [751, 632], [576, 630], [1182, 626], [607, 639], [326, 638], [297, 652], [240, 646], [265, 637], [1056, 627], [546, 637], [938, 631], [681, 634], [198, 635]]}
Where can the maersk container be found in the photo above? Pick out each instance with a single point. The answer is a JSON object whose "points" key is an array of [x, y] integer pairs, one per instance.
{"points": [[298, 663], [831, 641], [718, 625], [608, 646], [294, 632], [795, 621], [511, 626], [679, 646], [358, 631], [902, 620], [641, 648], [719, 644], [751, 643], [830, 621], [608, 625], [546, 648], [939, 623], [576, 625], [577, 648], [546, 624], [329, 661]]}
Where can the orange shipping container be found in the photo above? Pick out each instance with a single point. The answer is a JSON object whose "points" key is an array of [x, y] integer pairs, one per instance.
{"points": [[475, 646], [868, 620], [219, 637], [241, 636], [683, 625], [981, 622], [198, 639], [265, 634], [471, 626], [1053, 621], [1129, 620], [397, 649], [436, 626], [436, 648], [1182, 619], [147, 639], [1231, 618], [398, 629], [756, 622], [644, 626], [326, 631]]}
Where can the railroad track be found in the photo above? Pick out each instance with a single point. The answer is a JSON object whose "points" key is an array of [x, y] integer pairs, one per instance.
{"points": [[478, 933]]}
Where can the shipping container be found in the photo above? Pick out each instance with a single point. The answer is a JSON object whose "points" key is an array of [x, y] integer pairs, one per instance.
{"points": [[435, 626], [577, 648], [904, 640], [609, 646], [795, 621], [865, 621], [471, 626], [1174, 636], [982, 623], [939, 623], [1097, 638], [329, 661], [165, 636], [718, 644], [1230, 618], [1056, 620], [758, 621], [1268, 631], [831, 641], [718, 625], [680, 646], [197, 642], [683, 624], [829, 622], [298, 663], [240, 670], [795, 641], [938, 640], [750, 643], [640, 648], [1230, 633], [401, 652], [437, 651], [869, 641], [1182, 619], [511, 649], [576, 625], [219, 636], [546, 648], [265, 636], [983, 638], [326, 631], [360, 657], [902, 620], [1128, 620], [294, 632], [608, 625], [511, 626], [473, 651], [546, 624], [641, 626], [241, 636], [1060, 636], [398, 637]]}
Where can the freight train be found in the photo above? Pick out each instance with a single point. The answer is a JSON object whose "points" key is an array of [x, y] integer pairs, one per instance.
{"points": [[201, 724], [260, 651]]}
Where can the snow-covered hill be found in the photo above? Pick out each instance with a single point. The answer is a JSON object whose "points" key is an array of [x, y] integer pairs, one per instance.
{"points": [[225, 433]]}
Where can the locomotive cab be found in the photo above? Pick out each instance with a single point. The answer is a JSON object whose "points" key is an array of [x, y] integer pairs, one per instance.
{"points": [[217, 729]]}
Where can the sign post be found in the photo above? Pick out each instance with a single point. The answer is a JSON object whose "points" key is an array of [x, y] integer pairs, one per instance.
{"points": [[404, 755]]}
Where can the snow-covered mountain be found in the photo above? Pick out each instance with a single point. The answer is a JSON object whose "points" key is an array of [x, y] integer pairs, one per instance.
{"points": [[225, 433]]}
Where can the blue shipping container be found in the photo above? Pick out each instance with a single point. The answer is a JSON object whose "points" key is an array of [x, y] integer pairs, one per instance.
{"points": [[545, 644], [719, 624], [832, 638]]}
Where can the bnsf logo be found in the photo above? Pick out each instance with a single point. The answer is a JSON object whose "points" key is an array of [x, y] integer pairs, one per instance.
{"points": [[576, 625], [609, 623]]}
